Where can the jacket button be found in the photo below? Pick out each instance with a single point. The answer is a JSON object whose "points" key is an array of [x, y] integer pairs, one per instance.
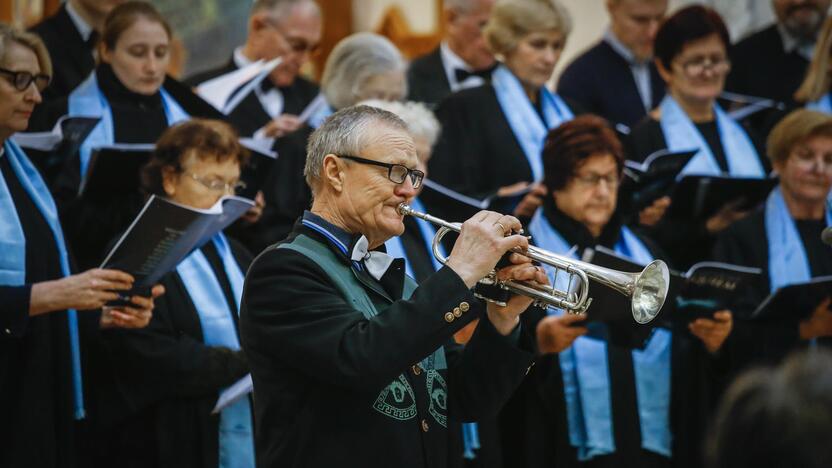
{"points": [[449, 317], [416, 369], [457, 312], [464, 306], [425, 426], [8, 332]]}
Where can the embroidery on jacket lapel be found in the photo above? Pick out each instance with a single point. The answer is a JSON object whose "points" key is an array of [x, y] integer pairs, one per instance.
{"points": [[397, 400], [438, 391]]}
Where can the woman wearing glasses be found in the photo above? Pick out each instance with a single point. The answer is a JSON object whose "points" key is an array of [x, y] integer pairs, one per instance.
{"points": [[783, 238], [492, 135], [595, 399], [692, 58], [130, 92], [41, 334], [174, 370]]}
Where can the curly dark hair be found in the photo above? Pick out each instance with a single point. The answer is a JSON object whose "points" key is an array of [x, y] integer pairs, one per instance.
{"points": [[569, 145], [202, 137]]}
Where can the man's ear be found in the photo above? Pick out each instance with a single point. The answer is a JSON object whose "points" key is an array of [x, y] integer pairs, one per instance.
{"points": [[332, 172]]}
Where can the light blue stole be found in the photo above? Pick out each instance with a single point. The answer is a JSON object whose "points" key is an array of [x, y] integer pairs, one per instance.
{"points": [[585, 368], [218, 329], [13, 248], [824, 104], [87, 100], [787, 260], [524, 120], [681, 135], [395, 247], [317, 118]]}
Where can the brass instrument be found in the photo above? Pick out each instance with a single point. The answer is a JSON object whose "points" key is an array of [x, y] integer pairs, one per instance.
{"points": [[647, 290]]}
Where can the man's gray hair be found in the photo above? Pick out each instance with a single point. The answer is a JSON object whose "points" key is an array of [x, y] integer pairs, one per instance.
{"points": [[281, 8], [352, 62], [345, 132]]}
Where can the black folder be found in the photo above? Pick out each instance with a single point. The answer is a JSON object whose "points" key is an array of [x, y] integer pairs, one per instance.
{"points": [[645, 182], [255, 172], [794, 302], [114, 170], [700, 197]]}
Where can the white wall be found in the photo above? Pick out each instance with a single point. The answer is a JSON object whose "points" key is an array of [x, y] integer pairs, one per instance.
{"points": [[421, 14]]}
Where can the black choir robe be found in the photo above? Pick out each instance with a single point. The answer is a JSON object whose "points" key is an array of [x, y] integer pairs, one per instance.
{"points": [[745, 243], [167, 381], [534, 426], [685, 242], [90, 224], [37, 426], [250, 116], [601, 81], [318, 365], [426, 79], [477, 152], [72, 57]]}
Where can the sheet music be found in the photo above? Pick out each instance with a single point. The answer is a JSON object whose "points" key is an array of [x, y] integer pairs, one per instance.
{"points": [[233, 393], [220, 91], [44, 141]]}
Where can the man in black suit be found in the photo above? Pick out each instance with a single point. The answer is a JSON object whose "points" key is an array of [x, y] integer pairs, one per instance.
{"points": [[461, 61], [617, 78], [772, 63], [71, 35], [353, 364], [290, 29]]}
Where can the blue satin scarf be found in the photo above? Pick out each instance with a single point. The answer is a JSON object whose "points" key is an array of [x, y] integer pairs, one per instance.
{"points": [[585, 368], [787, 260], [218, 329], [13, 248], [681, 135], [87, 100], [824, 104], [524, 120]]}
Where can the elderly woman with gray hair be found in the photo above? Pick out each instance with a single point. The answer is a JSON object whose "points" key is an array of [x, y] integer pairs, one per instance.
{"points": [[493, 134], [361, 66]]}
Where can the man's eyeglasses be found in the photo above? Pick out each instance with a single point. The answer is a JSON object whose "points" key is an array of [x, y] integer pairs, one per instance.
{"points": [[21, 80], [395, 172], [217, 185], [298, 45]]}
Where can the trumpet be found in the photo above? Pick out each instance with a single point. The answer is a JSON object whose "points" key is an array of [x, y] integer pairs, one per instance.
{"points": [[646, 290]]}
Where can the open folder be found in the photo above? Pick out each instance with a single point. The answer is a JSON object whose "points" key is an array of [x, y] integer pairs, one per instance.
{"points": [[699, 197], [794, 302], [164, 233]]}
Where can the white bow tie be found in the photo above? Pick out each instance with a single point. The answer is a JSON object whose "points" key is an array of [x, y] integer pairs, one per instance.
{"points": [[376, 263]]}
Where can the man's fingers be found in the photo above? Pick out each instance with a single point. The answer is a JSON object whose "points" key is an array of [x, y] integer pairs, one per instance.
{"points": [[112, 275], [568, 319]]}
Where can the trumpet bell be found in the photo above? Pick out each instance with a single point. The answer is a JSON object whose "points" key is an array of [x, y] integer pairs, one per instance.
{"points": [[650, 291]]}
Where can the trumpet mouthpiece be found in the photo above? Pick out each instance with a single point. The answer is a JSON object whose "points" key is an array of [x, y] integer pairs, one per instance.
{"points": [[404, 209]]}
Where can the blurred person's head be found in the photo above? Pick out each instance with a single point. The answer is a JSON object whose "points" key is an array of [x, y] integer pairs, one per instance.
{"points": [[582, 163], [25, 71], [290, 29], [818, 80], [94, 11], [528, 36], [423, 126], [635, 23], [691, 52], [136, 42], [777, 417], [801, 18], [195, 163], [464, 22], [800, 149], [363, 66]]}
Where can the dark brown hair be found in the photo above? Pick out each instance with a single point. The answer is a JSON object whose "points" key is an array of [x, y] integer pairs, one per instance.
{"points": [[568, 146], [202, 137], [687, 25], [122, 17]]}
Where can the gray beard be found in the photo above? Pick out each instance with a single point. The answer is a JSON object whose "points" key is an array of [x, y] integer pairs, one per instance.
{"points": [[804, 30]]}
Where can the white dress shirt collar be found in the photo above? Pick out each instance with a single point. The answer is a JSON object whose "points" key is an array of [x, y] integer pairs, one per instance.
{"points": [[451, 62], [83, 28]]}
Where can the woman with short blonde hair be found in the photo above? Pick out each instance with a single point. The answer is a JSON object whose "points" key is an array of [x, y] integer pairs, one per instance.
{"points": [[493, 134]]}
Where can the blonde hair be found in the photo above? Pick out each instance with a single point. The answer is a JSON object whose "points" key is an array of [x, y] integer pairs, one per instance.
{"points": [[11, 34], [817, 81], [511, 20], [795, 128]]}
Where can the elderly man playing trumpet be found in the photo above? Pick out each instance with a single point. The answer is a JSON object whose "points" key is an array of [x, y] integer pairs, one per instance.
{"points": [[352, 363]]}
